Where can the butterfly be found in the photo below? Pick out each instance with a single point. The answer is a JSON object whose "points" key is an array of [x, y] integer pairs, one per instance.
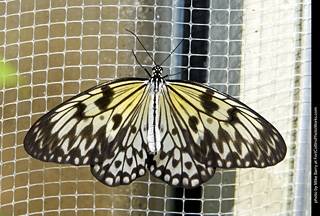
{"points": [[179, 130]]}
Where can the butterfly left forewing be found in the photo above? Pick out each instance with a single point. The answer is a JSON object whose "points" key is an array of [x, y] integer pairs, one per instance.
{"points": [[202, 128]]}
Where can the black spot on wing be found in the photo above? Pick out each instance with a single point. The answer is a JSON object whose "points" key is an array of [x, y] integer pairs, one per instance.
{"points": [[188, 165], [117, 118], [133, 129], [232, 113], [106, 99], [193, 122], [129, 161], [118, 164], [151, 161], [174, 131], [81, 107], [206, 102]]}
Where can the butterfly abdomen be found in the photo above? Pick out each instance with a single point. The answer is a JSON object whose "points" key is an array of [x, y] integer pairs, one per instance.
{"points": [[154, 137]]}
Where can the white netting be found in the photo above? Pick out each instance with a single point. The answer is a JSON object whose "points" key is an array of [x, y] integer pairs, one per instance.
{"points": [[257, 51]]}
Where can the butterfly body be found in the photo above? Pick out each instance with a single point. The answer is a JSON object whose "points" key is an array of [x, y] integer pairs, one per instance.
{"points": [[156, 83]]}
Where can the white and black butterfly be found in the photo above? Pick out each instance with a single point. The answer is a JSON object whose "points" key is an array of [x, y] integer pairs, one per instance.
{"points": [[181, 131]]}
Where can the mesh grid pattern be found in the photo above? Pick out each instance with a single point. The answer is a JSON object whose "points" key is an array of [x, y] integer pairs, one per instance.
{"points": [[256, 52]]}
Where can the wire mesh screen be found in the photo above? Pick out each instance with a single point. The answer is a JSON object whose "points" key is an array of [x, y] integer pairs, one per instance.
{"points": [[257, 51]]}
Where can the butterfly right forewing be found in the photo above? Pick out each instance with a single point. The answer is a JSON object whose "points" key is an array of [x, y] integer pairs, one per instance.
{"points": [[82, 130]]}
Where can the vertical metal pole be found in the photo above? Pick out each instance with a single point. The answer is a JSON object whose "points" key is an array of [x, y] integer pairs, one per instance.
{"points": [[302, 187], [199, 70]]}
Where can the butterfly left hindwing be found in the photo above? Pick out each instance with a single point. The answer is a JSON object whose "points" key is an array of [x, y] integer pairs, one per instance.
{"points": [[177, 163]]}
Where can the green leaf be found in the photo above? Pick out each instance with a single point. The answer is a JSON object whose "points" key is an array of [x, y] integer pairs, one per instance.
{"points": [[8, 74]]}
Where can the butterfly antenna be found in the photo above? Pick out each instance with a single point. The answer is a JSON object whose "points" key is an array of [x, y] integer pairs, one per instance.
{"points": [[145, 69], [142, 46], [169, 75], [172, 51]]}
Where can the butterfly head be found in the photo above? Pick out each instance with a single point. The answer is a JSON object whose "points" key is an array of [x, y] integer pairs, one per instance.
{"points": [[157, 71]]}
